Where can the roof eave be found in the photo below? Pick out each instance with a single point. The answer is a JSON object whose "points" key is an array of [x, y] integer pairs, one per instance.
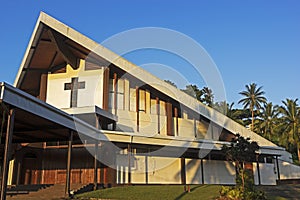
{"points": [[30, 50]]}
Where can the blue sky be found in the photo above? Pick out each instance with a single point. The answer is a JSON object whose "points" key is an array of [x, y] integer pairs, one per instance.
{"points": [[250, 41]]}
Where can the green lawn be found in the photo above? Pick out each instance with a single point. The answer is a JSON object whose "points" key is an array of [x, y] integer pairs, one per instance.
{"points": [[155, 192], [176, 192]]}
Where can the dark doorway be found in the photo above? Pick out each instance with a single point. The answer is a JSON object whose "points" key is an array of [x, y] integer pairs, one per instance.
{"points": [[29, 172]]}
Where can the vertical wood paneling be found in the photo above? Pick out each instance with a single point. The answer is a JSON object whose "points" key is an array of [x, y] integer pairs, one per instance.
{"points": [[105, 88], [43, 87], [169, 113]]}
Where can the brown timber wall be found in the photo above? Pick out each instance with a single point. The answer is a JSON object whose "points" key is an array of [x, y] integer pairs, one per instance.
{"points": [[48, 166]]}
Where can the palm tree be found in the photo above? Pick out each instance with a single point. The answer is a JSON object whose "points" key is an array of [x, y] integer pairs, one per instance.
{"points": [[241, 116], [193, 91], [291, 118], [224, 108], [208, 96], [269, 120], [253, 99]]}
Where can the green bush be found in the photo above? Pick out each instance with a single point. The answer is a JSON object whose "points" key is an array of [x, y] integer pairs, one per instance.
{"points": [[230, 193], [236, 193]]}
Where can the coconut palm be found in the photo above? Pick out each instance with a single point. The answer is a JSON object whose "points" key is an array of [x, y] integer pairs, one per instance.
{"points": [[241, 116], [222, 107], [225, 108], [193, 91], [253, 98], [269, 120], [291, 122], [208, 96]]}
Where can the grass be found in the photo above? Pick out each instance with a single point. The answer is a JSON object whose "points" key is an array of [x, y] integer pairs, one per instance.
{"points": [[166, 192], [176, 192]]}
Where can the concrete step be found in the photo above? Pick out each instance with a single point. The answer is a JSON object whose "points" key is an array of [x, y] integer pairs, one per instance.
{"points": [[52, 192]]}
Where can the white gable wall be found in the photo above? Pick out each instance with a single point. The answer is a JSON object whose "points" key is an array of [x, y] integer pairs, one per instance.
{"points": [[56, 95], [91, 95], [93, 92]]}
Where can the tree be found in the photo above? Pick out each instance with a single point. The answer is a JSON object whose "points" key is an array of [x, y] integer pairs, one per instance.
{"points": [[291, 122], [253, 98], [242, 116], [208, 98], [193, 91], [269, 120], [241, 151], [205, 95], [224, 108], [171, 83]]}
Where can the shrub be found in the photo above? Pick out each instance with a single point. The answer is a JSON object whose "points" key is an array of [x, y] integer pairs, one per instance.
{"points": [[236, 193], [241, 151]]}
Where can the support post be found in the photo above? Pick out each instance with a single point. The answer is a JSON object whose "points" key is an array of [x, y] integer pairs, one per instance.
{"points": [[277, 165], [183, 174], [202, 172], [18, 173], [7, 152], [258, 170], [137, 96], [96, 166], [96, 156], [69, 161], [146, 166], [129, 163]]}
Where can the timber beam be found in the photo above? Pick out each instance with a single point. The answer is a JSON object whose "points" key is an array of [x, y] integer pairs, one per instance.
{"points": [[63, 49], [58, 67], [44, 71]]}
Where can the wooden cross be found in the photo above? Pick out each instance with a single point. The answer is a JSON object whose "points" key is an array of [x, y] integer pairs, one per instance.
{"points": [[74, 86]]}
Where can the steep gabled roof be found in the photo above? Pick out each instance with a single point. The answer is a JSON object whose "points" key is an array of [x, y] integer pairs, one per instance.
{"points": [[53, 44]]}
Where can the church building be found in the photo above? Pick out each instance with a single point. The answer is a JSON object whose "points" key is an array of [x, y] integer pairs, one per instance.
{"points": [[78, 113]]}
